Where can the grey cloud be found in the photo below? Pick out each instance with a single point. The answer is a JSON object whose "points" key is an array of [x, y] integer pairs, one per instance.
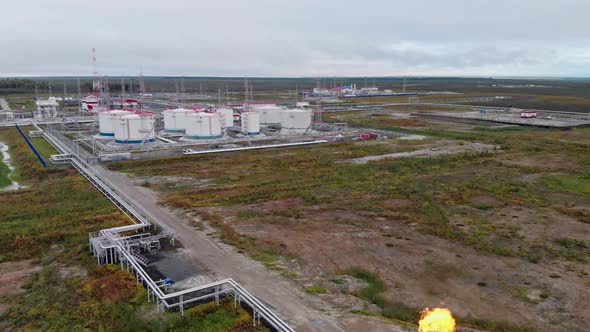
{"points": [[296, 38]]}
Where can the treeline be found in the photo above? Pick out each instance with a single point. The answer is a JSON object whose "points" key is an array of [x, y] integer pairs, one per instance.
{"points": [[22, 85], [17, 83], [28, 86]]}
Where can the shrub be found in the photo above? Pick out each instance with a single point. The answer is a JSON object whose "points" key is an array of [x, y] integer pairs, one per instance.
{"points": [[316, 289]]}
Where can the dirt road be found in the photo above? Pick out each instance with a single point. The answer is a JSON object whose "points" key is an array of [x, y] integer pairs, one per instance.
{"points": [[432, 152], [303, 312], [4, 107]]}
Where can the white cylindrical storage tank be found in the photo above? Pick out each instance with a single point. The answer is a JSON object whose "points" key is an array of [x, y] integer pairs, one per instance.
{"points": [[250, 123], [295, 121], [135, 128], [226, 115], [106, 119], [203, 125], [270, 114], [175, 120]]}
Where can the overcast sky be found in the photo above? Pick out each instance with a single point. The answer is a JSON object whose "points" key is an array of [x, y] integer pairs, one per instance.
{"points": [[296, 37]]}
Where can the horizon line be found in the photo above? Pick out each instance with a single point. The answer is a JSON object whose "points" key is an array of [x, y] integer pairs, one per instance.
{"points": [[549, 77]]}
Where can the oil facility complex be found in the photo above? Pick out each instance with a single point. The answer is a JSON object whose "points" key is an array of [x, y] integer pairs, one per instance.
{"points": [[149, 126]]}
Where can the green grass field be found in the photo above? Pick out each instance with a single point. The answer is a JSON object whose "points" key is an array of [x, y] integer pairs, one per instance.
{"points": [[573, 183], [4, 175]]}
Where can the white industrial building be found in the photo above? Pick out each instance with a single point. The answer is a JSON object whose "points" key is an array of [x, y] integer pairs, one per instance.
{"points": [[302, 104], [135, 128], [125, 103], [46, 108], [327, 92], [369, 91], [203, 125]]}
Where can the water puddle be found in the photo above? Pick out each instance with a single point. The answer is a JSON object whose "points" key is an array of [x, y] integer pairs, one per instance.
{"points": [[6, 159], [177, 266]]}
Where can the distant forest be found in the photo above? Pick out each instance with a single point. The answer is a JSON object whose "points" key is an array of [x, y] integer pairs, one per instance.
{"points": [[28, 86], [556, 94], [17, 83]]}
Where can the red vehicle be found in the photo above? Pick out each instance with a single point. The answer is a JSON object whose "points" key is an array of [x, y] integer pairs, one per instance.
{"points": [[367, 136], [528, 115]]}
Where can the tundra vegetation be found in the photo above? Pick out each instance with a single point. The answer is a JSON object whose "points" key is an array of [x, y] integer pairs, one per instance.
{"points": [[525, 203]]}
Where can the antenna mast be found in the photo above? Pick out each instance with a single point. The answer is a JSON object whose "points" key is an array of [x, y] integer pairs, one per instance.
{"points": [[226, 93], [182, 91], [106, 95], [141, 88], [79, 95], [96, 80], [246, 104], [177, 87], [318, 110]]}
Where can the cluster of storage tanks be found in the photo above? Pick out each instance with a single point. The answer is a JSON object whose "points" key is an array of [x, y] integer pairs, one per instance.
{"points": [[127, 126], [196, 124], [292, 121]]}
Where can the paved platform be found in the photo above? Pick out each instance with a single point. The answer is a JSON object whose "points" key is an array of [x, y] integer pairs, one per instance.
{"points": [[547, 120]]}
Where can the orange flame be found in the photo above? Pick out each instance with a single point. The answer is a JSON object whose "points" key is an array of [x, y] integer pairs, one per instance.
{"points": [[436, 320]]}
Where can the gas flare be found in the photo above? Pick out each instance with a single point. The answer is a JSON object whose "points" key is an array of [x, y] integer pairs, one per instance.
{"points": [[436, 320]]}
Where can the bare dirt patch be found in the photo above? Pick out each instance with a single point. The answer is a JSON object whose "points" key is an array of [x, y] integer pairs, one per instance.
{"points": [[13, 276], [580, 213], [550, 162], [360, 323], [426, 271], [433, 151], [397, 204], [484, 199], [538, 225], [171, 182], [71, 271]]}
